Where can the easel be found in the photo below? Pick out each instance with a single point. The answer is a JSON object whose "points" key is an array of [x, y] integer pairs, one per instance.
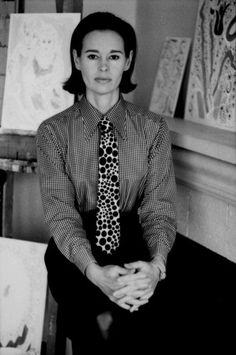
{"points": [[18, 155], [17, 152]]}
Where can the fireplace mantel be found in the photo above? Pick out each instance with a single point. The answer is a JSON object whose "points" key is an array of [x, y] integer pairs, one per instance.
{"points": [[213, 142], [205, 169]]}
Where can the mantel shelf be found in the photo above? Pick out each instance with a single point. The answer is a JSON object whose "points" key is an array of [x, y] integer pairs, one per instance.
{"points": [[213, 142]]}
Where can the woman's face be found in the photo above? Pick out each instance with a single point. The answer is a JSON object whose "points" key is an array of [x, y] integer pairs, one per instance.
{"points": [[102, 62]]}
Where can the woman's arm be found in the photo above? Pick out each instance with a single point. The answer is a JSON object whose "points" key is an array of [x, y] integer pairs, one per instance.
{"points": [[158, 208], [158, 218], [58, 198]]}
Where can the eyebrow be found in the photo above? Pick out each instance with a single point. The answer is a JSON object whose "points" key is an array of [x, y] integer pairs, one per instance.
{"points": [[97, 51]]}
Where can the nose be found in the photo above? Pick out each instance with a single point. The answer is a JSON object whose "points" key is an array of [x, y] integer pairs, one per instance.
{"points": [[103, 66]]}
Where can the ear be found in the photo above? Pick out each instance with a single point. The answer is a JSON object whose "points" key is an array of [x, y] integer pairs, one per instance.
{"points": [[76, 59], [129, 61]]}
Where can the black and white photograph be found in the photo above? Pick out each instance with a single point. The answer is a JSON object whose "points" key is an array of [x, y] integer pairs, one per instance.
{"points": [[117, 177]]}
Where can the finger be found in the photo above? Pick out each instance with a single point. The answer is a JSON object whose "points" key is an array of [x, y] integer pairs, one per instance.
{"points": [[124, 305], [121, 292], [121, 304], [134, 265], [139, 294], [138, 285], [124, 291], [133, 309], [132, 301], [122, 270], [147, 295], [132, 277], [141, 284], [131, 288]]}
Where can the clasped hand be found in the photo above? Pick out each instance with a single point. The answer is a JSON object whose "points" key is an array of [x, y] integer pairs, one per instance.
{"points": [[130, 286]]}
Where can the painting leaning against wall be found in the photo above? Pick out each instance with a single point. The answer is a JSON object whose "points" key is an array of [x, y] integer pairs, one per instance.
{"points": [[23, 287], [38, 63], [211, 96], [169, 75]]}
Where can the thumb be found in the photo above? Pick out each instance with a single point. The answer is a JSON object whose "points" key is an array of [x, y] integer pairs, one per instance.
{"points": [[134, 265], [122, 270]]}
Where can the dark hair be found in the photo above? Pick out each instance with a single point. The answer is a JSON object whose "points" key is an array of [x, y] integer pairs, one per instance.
{"points": [[101, 21]]}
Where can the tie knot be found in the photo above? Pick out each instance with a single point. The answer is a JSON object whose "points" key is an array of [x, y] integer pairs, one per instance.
{"points": [[105, 125]]}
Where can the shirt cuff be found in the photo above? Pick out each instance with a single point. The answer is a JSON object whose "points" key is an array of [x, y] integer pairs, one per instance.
{"points": [[83, 258], [162, 251]]}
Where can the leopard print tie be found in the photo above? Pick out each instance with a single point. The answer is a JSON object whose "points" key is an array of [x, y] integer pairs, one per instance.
{"points": [[108, 215]]}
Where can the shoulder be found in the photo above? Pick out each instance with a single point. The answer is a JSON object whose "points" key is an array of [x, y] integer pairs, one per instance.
{"points": [[61, 120], [148, 119], [56, 129]]}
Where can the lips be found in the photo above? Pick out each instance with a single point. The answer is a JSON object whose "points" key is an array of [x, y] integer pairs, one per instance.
{"points": [[102, 80]]}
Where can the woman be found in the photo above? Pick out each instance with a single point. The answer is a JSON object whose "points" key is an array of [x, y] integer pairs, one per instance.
{"points": [[87, 277]]}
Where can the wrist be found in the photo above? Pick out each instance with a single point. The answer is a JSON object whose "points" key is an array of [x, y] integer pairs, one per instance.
{"points": [[91, 270], [159, 263]]}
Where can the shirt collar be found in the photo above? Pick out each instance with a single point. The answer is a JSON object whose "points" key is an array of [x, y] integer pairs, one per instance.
{"points": [[91, 116]]}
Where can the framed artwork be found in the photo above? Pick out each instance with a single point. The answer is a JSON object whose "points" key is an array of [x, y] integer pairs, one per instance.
{"points": [[23, 288], [211, 94], [38, 62], [169, 76]]}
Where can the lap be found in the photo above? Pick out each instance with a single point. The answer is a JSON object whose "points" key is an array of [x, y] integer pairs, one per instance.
{"points": [[80, 300]]}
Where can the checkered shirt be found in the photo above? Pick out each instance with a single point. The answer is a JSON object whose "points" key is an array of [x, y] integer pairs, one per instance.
{"points": [[67, 152]]}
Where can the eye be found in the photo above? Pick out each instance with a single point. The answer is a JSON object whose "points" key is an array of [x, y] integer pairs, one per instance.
{"points": [[114, 57], [92, 56]]}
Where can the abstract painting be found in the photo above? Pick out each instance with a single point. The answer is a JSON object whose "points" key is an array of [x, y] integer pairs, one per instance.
{"points": [[38, 63], [169, 75], [211, 95], [23, 286]]}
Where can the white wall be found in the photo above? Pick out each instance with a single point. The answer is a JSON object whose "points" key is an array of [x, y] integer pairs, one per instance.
{"points": [[157, 19], [123, 8]]}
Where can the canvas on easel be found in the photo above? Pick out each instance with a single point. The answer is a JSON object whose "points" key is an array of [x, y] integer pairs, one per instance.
{"points": [[38, 63], [169, 76], [6, 8], [211, 95]]}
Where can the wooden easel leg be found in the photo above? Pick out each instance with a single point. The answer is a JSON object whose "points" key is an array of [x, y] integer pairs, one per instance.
{"points": [[69, 6], [78, 6], [3, 177], [59, 5], [7, 212]]}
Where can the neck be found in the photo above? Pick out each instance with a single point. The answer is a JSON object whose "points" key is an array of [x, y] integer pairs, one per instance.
{"points": [[103, 103]]}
